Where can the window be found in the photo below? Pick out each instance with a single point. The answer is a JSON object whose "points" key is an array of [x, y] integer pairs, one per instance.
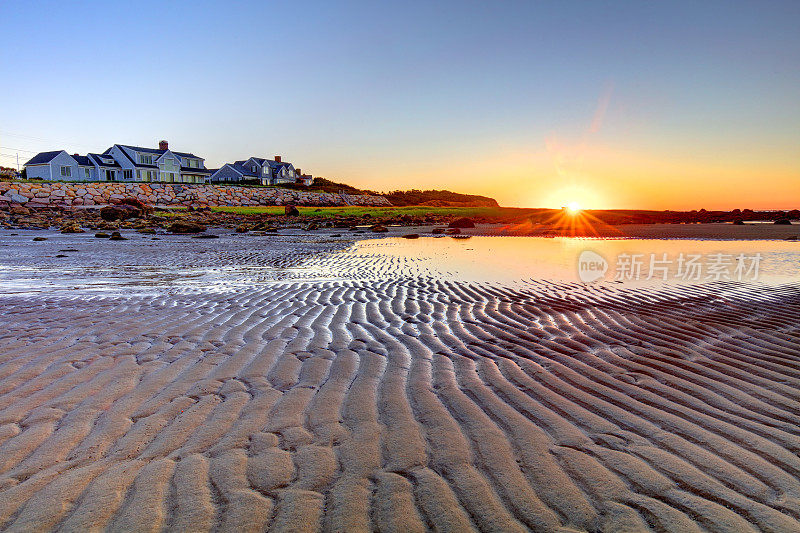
{"points": [[66, 172], [87, 172], [255, 168], [145, 159], [127, 174], [265, 170]]}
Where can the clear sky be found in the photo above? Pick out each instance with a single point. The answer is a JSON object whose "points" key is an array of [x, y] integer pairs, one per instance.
{"points": [[681, 105]]}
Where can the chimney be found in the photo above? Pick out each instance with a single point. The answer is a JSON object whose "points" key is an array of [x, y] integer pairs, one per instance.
{"points": [[163, 145], [277, 159], [76, 155], [299, 172]]}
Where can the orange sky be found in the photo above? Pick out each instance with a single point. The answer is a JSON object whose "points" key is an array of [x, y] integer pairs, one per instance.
{"points": [[601, 177]]}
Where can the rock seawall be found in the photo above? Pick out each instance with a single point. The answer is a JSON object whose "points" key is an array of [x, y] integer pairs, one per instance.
{"points": [[32, 194]]}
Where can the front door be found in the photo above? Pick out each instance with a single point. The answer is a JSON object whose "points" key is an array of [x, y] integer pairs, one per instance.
{"points": [[110, 175]]}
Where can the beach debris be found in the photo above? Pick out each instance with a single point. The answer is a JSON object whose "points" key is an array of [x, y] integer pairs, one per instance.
{"points": [[291, 211], [377, 228], [148, 231], [71, 227], [452, 231], [462, 222], [311, 227], [411, 236], [40, 238], [438, 231], [101, 235], [115, 236], [183, 226]]}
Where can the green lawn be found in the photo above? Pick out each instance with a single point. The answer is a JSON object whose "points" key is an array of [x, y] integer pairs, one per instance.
{"points": [[377, 212]]}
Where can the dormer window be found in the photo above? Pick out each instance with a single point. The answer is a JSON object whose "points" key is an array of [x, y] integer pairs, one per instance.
{"points": [[265, 170], [255, 168], [145, 159]]}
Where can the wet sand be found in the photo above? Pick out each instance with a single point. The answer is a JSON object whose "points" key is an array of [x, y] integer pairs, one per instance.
{"points": [[277, 399]]}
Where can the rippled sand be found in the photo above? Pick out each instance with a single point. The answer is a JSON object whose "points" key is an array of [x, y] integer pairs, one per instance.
{"points": [[282, 399]]}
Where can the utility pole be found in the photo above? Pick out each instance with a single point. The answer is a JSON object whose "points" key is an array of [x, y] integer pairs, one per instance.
{"points": [[17, 162]]}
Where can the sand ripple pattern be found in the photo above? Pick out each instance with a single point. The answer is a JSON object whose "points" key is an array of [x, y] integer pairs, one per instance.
{"points": [[404, 405]]}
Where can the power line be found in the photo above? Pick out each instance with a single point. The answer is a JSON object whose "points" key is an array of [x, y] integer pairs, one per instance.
{"points": [[41, 139], [19, 149]]}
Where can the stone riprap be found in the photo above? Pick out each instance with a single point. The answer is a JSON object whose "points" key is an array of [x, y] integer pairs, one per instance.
{"points": [[32, 194]]}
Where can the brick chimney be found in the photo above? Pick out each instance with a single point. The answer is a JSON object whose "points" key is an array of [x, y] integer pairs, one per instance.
{"points": [[299, 172], [277, 159], [163, 145], [76, 155]]}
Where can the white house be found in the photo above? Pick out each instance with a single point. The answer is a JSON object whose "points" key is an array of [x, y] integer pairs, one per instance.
{"points": [[121, 162], [261, 170]]}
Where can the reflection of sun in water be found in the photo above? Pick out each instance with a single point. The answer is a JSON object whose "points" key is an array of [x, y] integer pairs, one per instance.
{"points": [[573, 208]]}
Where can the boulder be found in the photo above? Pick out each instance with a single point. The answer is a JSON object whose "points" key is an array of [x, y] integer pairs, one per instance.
{"points": [[452, 231], [119, 212], [411, 236], [115, 236], [135, 202], [377, 228], [783, 222], [40, 238], [462, 222], [71, 227], [242, 228], [102, 235], [291, 211], [19, 210], [183, 226]]}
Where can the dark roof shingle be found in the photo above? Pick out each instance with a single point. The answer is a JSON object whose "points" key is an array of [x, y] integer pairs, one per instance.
{"points": [[43, 157]]}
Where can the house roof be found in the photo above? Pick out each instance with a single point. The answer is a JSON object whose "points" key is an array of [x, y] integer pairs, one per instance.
{"points": [[83, 160], [243, 170], [43, 157], [277, 166], [97, 159], [191, 170], [157, 151]]}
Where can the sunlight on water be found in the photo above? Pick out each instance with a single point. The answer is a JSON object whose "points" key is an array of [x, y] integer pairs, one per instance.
{"points": [[512, 258]]}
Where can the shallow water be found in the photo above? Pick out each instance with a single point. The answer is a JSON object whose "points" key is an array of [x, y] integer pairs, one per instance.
{"points": [[507, 259], [145, 263]]}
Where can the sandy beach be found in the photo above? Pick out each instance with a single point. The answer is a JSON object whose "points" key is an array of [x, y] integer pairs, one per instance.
{"points": [[286, 383]]}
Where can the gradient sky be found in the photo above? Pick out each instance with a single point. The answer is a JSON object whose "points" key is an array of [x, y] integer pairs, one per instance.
{"points": [[680, 105]]}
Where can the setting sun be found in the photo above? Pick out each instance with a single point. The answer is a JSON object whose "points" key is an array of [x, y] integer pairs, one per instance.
{"points": [[573, 207]]}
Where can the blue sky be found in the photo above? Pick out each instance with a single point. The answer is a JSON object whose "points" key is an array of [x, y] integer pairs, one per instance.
{"points": [[613, 102]]}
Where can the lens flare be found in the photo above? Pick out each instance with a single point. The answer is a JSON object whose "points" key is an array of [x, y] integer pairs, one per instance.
{"points": [[573, 208]]}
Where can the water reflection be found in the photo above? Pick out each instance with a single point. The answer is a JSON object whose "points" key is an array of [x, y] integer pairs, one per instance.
{"points": [[513, 258]]}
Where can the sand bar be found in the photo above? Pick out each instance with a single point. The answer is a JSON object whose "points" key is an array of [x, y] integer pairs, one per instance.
{"points": [[389, 399]]}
